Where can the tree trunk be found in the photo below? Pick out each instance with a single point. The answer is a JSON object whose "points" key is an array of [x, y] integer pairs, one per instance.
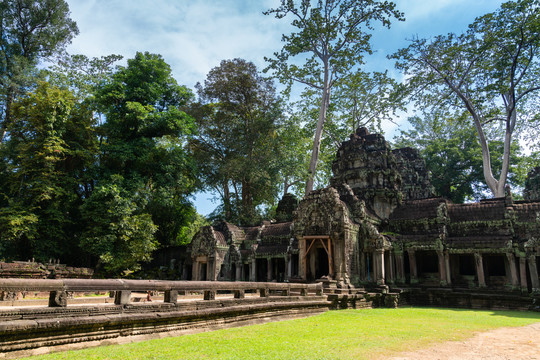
{"points": [[325, 101], [226, 201], [7, 116]]}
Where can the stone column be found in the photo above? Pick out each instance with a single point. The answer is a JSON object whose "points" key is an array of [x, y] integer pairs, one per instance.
{"points": [[442, 268], [253, 268], [534, 273], [391, 272], [195, 271], [184, 272], [523, 273], [447, 265], [288, 260], [513, 276], [302, 258], [400, 268], [239, 271], [412, 265], [210, 270], [379, 260], [480, 270], [269, 270]]}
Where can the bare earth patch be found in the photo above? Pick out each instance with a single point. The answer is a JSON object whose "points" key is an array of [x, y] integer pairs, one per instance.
{"points": [[504, 343]]}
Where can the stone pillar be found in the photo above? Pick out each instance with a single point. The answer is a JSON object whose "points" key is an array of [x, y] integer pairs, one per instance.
{"points": [[400, 268], [195, 271], [442, 267], [412, 265], [480, 270], [391, 272], [253, 268], [302, 258], [447, 266], [239, 271], [269, 270], [534, 273], [210, 273], [184, 272], [513, 276], [379, 260], [523, 273], [289, 266], [59, 298]]}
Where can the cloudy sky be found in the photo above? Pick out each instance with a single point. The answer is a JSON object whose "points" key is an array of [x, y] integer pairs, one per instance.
{"points": [[193, 36]]}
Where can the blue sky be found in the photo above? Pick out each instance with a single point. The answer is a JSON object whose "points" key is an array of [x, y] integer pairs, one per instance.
{"points": [[193, 36]]}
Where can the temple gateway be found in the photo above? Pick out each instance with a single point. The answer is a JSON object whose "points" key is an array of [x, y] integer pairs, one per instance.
{"points": [[379, 224]]}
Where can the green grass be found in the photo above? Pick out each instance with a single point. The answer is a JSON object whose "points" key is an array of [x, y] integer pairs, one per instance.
{"points": [[346, 334]]}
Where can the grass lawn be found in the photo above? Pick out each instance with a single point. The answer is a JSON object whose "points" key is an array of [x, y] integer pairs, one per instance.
{"points": [[345, 334]]}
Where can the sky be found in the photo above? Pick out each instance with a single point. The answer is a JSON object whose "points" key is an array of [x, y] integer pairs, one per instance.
{"points": [[193, 36]]}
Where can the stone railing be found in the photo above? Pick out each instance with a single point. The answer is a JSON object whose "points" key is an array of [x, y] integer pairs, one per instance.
{"points": [[59, 288]]}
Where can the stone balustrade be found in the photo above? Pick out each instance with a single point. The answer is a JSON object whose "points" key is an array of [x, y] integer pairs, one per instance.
{"points": [[59, 288]]}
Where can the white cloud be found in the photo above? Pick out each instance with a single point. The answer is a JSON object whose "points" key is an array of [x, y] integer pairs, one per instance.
{"points": [[192, 36]]}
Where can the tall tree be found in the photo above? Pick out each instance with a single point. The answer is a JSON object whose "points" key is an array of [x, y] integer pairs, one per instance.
{"points": [[453, 155], [492, 71], [144, 137], [30, 30], [333, 37], [49, 151], [237, 116]]}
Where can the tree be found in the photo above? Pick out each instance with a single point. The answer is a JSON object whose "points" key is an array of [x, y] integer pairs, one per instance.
{"points": [[30, 30], [143, 142], [50, 149], [491, 71], [453, 155], [333, 34], [238, 115], [117, 231]]}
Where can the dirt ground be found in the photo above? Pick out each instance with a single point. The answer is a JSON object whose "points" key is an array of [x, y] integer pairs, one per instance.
{"points": [[505, 343]]}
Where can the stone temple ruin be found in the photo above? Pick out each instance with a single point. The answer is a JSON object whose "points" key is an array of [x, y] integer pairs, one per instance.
{"points": [[379, 225]]}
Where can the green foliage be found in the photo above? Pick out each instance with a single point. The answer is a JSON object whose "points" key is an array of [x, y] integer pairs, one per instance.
{"points": [[331, 40], [449, 145], [117, 232], [30, 30], [491, 71], [196, 221], [47, 155], [237, 145], [144, 135], [82, 75], [344, 334]]}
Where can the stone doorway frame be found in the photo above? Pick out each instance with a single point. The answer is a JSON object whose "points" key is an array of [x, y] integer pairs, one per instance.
{"points": [[312, 239]]}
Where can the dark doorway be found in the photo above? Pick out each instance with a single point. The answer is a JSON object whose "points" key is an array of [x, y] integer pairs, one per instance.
{"points": [[262, 269], [322, 266], [427, 262], [233, 272], [278, 267], [202, 271], [246, 272], [467, 265]]}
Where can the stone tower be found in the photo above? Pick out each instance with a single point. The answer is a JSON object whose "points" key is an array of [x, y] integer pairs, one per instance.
{"points": [[367, 165]]}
